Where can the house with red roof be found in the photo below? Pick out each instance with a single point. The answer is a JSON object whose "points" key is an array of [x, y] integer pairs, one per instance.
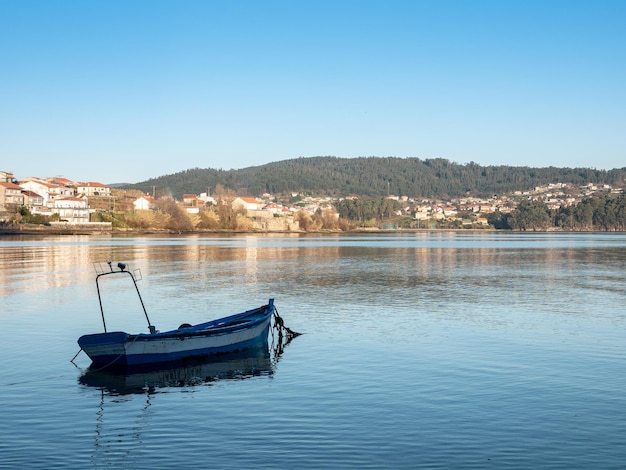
{"points": [[92, 188], [247, 203], [48, 191], [11, 193], [32, 200], [190, 200], [145, 203]]}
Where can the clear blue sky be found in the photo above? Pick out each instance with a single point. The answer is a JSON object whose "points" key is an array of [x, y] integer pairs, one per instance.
{"points": [[122, 91]]}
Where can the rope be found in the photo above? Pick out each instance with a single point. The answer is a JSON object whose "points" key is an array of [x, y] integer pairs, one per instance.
{"points": [[278, 346], [281, 325], [72, 360]]}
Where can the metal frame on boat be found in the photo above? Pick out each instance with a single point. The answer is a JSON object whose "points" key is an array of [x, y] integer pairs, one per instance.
{"points": [[188, 343]]}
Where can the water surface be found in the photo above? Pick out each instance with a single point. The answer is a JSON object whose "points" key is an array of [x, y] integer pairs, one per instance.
{"points": [[427, 350]]}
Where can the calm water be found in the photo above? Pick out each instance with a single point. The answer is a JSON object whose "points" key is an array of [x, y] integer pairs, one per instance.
{"points": [[419, 351]]}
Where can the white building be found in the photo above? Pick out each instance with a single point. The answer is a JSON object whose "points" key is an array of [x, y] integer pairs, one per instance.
{"points": [[145, 203], [206, 198], [74, 210], [50, 192], [248, 203], [32, 200], [92, 188]]}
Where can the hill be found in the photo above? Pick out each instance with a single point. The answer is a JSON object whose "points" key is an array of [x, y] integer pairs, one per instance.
{"points": [[375, 177]]}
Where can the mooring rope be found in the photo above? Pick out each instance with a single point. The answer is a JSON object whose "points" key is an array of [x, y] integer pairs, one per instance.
{"points": [[281, 325], [72, 360]]}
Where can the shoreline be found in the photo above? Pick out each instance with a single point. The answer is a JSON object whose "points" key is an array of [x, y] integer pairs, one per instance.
{"points": [[63, 229]]}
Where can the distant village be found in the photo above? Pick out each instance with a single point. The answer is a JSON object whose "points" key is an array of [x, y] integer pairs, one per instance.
{"points": [[67, 199], [67, 203]]}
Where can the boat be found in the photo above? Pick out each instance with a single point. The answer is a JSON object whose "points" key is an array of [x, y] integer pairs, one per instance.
{"points": [[193, 344]]}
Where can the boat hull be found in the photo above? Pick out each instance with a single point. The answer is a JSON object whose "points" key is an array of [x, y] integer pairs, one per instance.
{"points": [[198, 343]]}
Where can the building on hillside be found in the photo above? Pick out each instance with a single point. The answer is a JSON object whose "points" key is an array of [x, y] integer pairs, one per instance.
{"points": [[190, 200], [74, 210], [273, 208], [62, 192], [11, 193], [449, 211], [48, 191], [206, 199], [92, 188], [40, 187], [145, 203], [247, 203], [61, 181], [32, 200], [6, 177]]}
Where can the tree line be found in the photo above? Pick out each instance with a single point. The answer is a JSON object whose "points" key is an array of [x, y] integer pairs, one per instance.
{"points": [[375, 177], [603, 213], [366, 209]]}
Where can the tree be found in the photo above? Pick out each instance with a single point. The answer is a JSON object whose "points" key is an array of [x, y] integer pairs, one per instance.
{"points": [[530, 215], [177, 220], [209, 220], [498, 220], [306, 222], [366, 208], [224, 198]]}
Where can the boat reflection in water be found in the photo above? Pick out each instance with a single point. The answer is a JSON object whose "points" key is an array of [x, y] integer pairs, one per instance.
{"points": [[121, 443], [255, 362]]}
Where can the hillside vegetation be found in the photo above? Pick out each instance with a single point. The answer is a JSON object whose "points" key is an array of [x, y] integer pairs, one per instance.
{"points": [[375, 177]]}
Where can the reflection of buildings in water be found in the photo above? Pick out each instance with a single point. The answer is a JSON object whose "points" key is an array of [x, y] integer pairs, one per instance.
{"points": [[521, 273], [207, 260], [251, 264], [45, 264]]}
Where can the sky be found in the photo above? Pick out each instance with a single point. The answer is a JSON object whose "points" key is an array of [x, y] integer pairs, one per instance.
{"points": [[124, 91]]}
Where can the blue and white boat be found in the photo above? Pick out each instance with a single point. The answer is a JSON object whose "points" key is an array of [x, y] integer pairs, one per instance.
{"points": [[188, 343]]}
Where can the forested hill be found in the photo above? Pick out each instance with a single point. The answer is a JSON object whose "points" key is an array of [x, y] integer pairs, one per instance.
{"points": [[375, 176]]}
